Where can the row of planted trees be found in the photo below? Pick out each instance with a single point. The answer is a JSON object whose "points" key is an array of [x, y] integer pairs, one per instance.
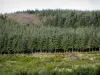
{"points": [[21, 38]]}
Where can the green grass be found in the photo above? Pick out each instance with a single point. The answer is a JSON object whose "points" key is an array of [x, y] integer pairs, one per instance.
{"points": [[50, 64]]}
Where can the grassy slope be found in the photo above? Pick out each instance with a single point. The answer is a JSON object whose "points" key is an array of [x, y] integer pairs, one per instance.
{"points": [[47, 64]]}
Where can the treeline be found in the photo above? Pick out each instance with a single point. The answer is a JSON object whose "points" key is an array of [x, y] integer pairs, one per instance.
{"points": [[26, 38], [67, 18]]}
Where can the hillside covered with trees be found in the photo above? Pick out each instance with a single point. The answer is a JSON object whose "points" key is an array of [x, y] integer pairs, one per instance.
{"points": [[50, 31]]}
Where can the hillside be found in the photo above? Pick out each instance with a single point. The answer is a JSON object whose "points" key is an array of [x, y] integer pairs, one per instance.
{"points": [[50, 31], [58, 17]]}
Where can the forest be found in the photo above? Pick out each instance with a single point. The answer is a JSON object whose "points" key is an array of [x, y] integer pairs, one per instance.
{"points": [[57, 31]]}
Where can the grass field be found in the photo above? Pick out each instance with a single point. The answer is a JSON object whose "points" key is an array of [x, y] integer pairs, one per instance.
{"points": [[50, 64]]}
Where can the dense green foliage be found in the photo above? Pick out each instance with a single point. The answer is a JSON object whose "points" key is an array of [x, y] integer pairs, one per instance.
{"points": [[67, 18], [50, 64], [59, 31]]}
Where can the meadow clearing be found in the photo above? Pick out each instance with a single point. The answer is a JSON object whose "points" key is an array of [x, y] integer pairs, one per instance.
{"points": [[76, 63]]}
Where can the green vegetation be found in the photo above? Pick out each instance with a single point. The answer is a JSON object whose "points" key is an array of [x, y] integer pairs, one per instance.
{"points": [[22, 38], [50, 64], [52, 34], [67, 18], [55, 32]]}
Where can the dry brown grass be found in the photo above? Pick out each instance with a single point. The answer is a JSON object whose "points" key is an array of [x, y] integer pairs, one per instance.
{"points": [[24, 18]]}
